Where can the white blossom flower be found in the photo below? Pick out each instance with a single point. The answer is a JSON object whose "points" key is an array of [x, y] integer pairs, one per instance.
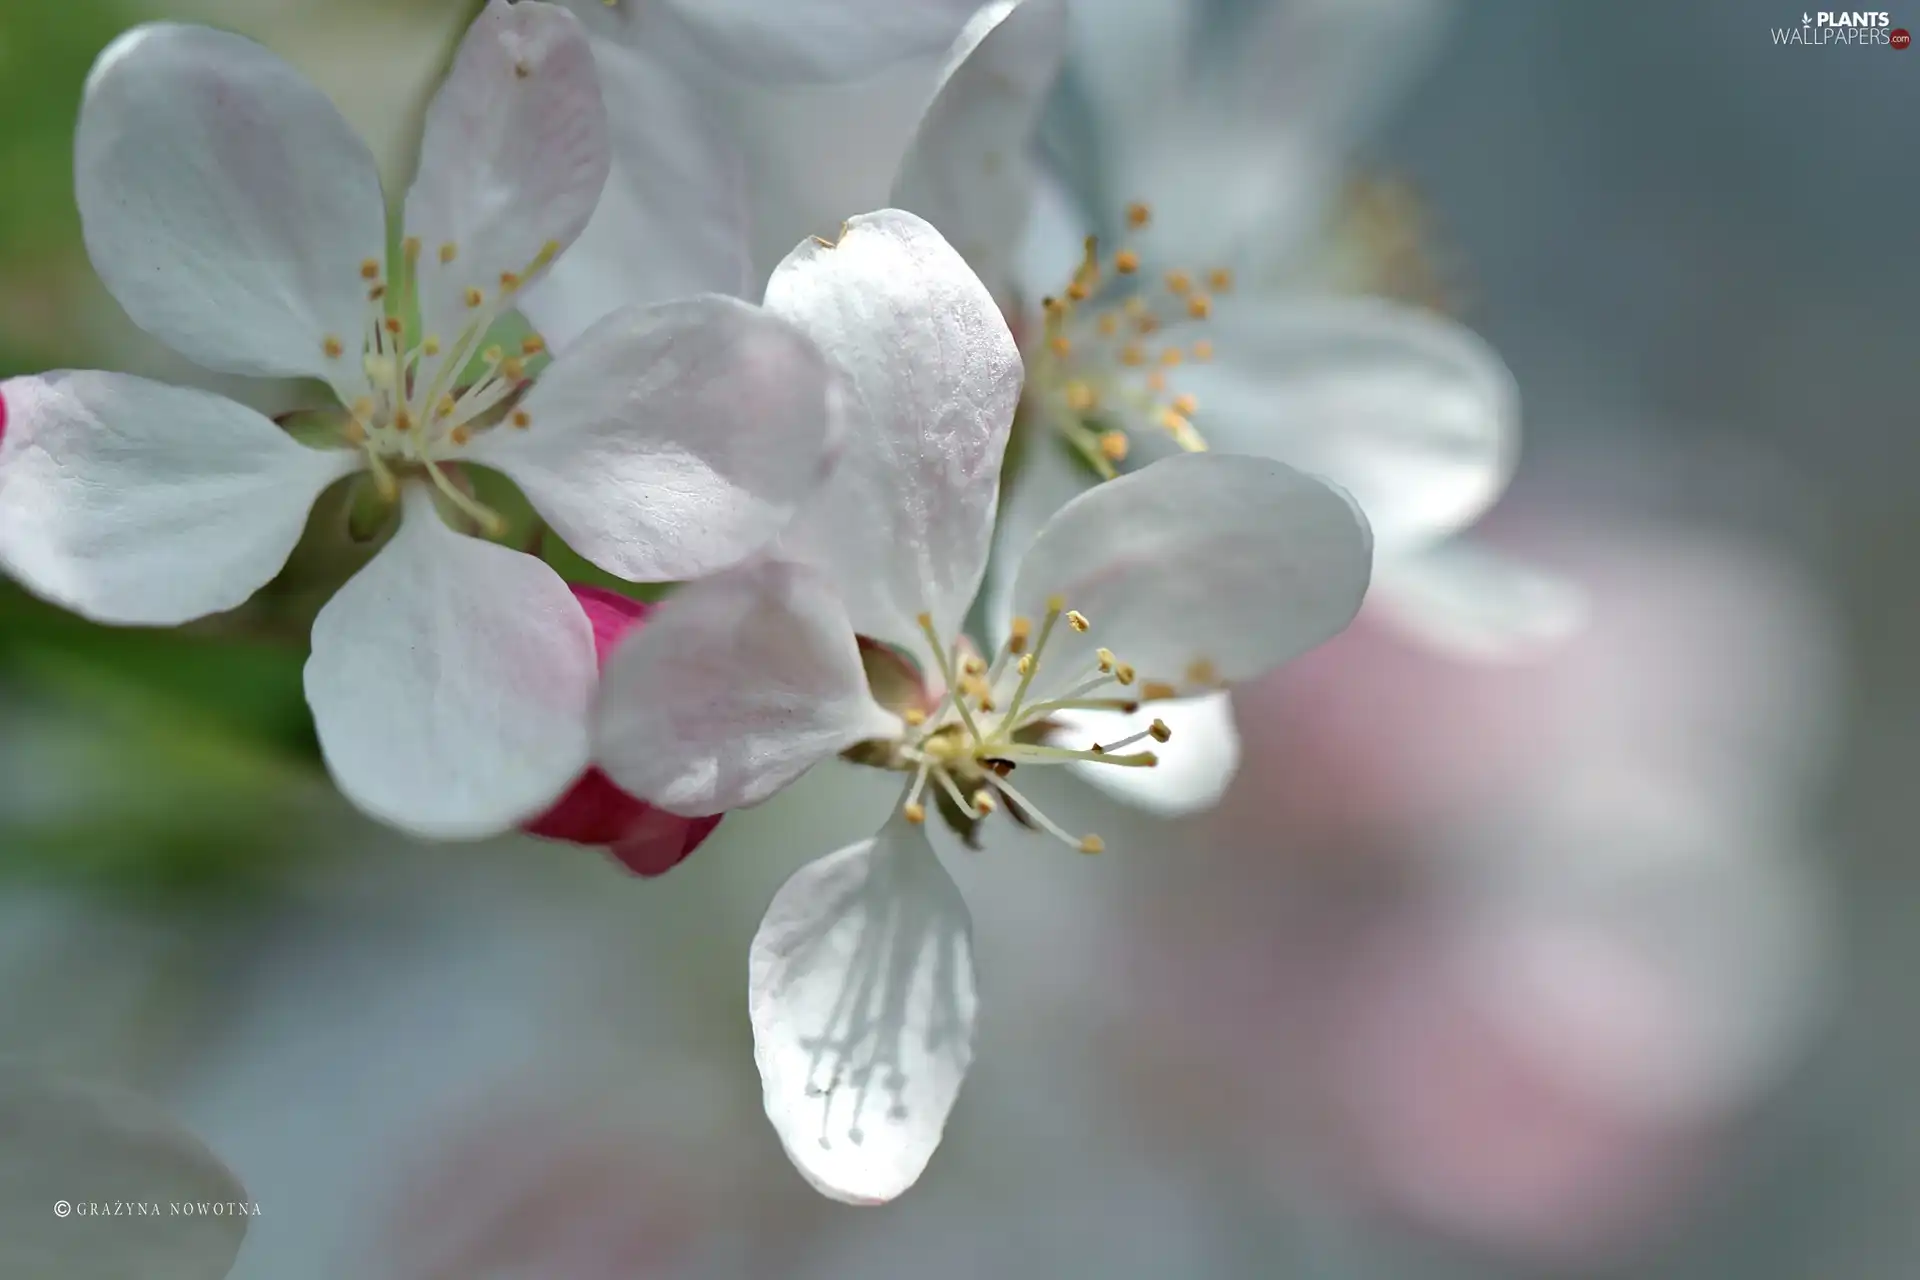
{"points": [[1185, 303], [72, 1149], [234, 214], [1202, 148], [1193, 573]]}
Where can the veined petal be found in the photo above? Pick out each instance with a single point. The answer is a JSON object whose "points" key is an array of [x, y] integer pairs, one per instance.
{"points": [[736, 686], [672, 220], [1194, 770], [968, 171], [227, 205], [512, 160], [1413, 414], [66, 1141], [1198, 570], [130, 501], [933, 379], [1476, 603], [861, 994], [674, 440], [451, 681], [809, 40]]}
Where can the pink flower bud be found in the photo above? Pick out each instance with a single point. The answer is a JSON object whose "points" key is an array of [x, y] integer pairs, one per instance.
{"points": [[645, 840]]}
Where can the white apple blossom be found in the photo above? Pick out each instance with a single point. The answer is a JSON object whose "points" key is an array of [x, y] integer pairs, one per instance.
{"points": [[1193, 573], [1169, 280], [234, 214], [72, 1150]]}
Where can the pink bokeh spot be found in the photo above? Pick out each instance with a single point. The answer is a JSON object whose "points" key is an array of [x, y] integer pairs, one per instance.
{"points": [[594, 811]]}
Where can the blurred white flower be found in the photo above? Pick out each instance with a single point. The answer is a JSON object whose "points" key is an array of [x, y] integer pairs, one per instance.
{"points": [[1199, 571], [73, 1149], [234, 213]]}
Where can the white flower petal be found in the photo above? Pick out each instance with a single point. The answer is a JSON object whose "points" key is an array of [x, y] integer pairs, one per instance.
{"points": [[76, 1142], [803, 40], [451, 681], [1196, 765], [672, 441], [1413, 414], [226, 204], [1475, 603], [672, 221], [733, 688], [934, 377], [861, 993], [131, 501], [968, 171], [1199, 569], [512, 160]]}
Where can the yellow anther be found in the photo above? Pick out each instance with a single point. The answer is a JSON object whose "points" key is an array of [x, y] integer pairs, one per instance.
{"points": [[393, 324], [1201, 671], [513, 368], [448, 252], [474, 297], [370, 269], [509, 281], [1081, 397], [1220, 280], [1133, 354], [354, 432], [1123, 673], [532, 346], [983, 801], [460, 435], [1108, 324], [1179, 282], [445, 408], [1158, 691], [1199, 306], [1156, 382], [1053, 307], [1060, 345], [333, 347], [493, 356], [430, 345], [410, 248], [914, 716], [362, 408], [915, 812], [1203, 351], [1126, 262], [1078, 291], [1026, 664], [521, 419], [1105, 657], [402, 420], [1174, 423], [1159, 732], [1113, 446], [1138, 215], [1186, 404], [1092, 844], [1056, 603], [925, 620], [1077, 620], [1171, 356], [1018, 633]]}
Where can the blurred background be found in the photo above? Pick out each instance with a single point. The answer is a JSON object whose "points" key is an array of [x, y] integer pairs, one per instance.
{"points": [[1591, 961]]}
